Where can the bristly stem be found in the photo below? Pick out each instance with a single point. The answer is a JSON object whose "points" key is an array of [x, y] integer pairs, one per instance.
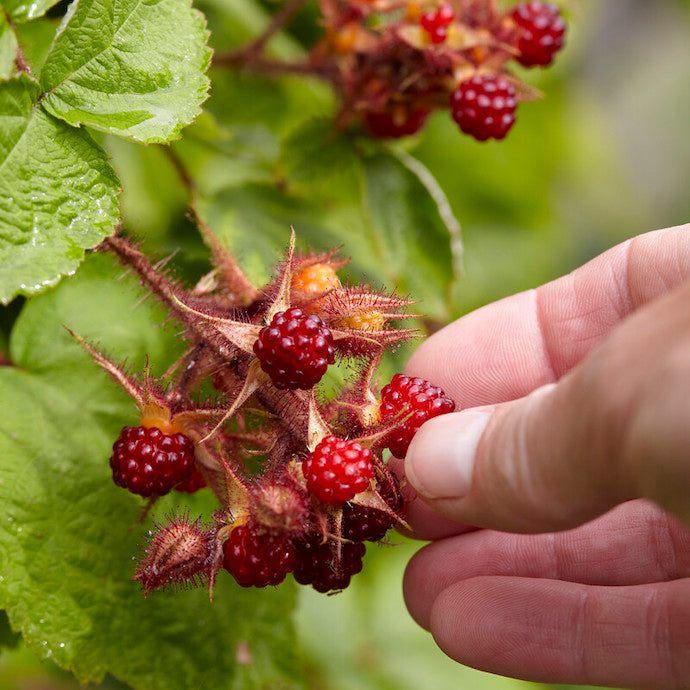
{"points": [[233, 276]]}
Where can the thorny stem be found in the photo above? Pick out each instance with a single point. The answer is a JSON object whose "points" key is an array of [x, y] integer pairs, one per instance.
{"points": [[193, 362], [180, 168], [240, 286], [19, 60]]}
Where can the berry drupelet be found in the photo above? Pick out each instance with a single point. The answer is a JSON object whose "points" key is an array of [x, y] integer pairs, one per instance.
{"points": [[295, 349], [418, 400], [149, 462]]}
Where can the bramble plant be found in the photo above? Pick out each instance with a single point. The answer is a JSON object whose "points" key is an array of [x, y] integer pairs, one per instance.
{"points": [[265, 350], [254, 411]]}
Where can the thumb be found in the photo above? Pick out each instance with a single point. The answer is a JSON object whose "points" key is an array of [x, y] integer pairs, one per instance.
{"points": [[612, 429]]}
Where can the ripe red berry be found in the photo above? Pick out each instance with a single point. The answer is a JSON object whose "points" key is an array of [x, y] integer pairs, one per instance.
{"points": [[435, 22], [484, 106], [318, 565], [361, 523], [416, 399], [193, 482], [541, 32], [388, 125], [256, 557], [295, 349], [150, 463], [337, 470]]}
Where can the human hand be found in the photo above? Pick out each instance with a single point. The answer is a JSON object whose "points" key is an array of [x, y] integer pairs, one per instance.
{"points": [[597, 366]]}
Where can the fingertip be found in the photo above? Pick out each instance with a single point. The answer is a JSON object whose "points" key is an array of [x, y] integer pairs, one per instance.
{"points": [[440, 459]]}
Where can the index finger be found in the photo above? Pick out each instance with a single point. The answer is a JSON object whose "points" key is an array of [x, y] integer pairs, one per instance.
{"points": [[507, 349]]}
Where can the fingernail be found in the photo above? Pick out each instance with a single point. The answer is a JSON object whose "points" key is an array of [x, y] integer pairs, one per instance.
{"points": [[440, 459]]}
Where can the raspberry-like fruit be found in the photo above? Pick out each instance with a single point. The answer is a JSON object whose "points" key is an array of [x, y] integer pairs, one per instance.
{"points": [[295, 349], [415, 397], [541, 32], [193, 482], [389, 125], [361, 523], [150, 463], [318, 565], [256, 557], [313, 281], [484, 106], [435, 22], [337, 470]]}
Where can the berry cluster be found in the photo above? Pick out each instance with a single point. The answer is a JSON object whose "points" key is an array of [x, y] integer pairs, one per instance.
{"points": [[322, 488], [392, 63]]}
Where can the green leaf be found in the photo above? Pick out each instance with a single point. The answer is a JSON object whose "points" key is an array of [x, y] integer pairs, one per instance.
{"points": [[386, 210], [23, 11], [134, 68], [57, 193], [8, 49], [411, 238], [66, 537]]}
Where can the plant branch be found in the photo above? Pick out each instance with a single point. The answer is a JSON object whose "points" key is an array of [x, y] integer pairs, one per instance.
{"points": [[280, 19]]}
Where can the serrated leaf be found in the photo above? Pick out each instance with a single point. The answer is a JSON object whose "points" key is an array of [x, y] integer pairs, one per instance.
{"points": [[8, 49], [66, 543], [135, 68], [23, 11], [58, 193]]}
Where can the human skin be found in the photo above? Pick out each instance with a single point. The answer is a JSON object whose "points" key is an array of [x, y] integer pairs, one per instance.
{"points": [[570, 459]]}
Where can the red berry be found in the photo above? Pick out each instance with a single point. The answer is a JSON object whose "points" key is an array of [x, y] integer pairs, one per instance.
{"points": [[385, 125], [318, 565], [256, 557], [541, 32], [484, 106], [295, 349], [337, 470], [435, 22], [361, 523], [416, 399], [193, 483], [150, 463]]}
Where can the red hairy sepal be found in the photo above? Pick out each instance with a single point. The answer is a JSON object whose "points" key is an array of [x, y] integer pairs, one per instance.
{"points": [[279, 507], [181, 553]]}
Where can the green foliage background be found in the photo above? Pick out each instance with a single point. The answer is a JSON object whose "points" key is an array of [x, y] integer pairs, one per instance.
{"points": [[603, 157]]}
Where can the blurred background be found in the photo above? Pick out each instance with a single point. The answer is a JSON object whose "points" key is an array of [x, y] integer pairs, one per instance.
{"points": [[605, 156]]}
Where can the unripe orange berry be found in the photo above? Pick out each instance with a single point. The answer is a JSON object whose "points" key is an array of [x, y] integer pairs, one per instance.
{"points": [[369, 321], [314, 280]]}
